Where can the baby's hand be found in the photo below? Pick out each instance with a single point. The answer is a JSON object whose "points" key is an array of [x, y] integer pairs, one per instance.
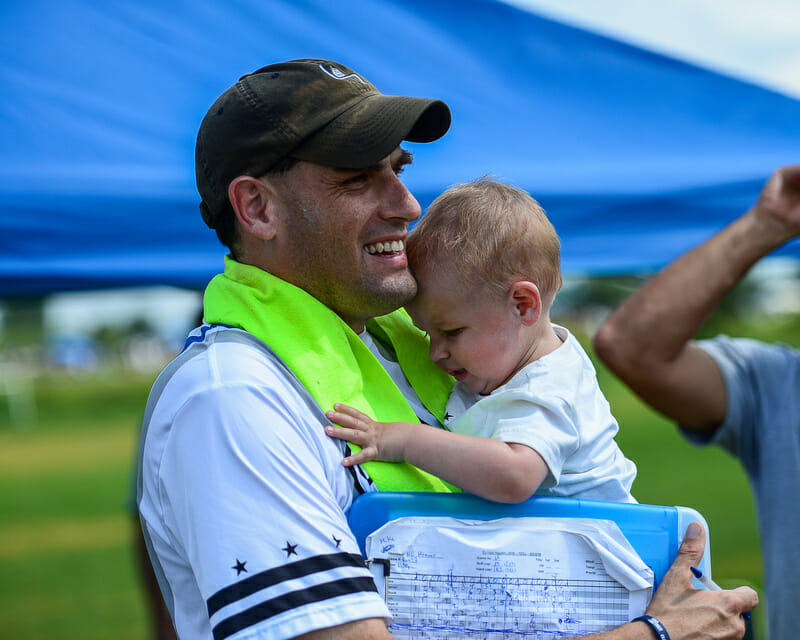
{"points": [[377, 440]]}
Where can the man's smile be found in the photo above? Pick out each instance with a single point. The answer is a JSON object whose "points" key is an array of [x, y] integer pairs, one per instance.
{"points": [[387, 248]]}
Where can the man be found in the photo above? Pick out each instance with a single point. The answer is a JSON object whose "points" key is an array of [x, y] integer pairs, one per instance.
{"points": [[740, 394], [241, 494]]}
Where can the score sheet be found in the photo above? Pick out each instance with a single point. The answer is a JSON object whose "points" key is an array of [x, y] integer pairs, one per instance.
{"points": [[535, 578]]}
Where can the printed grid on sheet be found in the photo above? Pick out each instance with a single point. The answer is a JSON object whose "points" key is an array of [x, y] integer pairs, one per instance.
{"points": [[449, 607]]}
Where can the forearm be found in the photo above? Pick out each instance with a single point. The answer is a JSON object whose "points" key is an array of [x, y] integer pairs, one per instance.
{"points": [[647, 341], [495, 470], [492, 469], [630, 631], [656, 322], [368, 629], [375, 630]]}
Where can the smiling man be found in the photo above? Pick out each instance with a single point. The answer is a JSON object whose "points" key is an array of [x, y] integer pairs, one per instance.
{"points": [[242, 496]]}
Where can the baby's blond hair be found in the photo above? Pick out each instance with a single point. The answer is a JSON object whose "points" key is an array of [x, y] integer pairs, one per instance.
{"points": [[493, 233]]}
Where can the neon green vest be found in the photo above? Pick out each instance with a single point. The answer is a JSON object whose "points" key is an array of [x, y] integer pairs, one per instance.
{"points": [[330, 360]]}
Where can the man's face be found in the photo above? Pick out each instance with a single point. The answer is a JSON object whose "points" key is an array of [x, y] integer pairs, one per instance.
{"points": [[475, 335], [344, 234]]}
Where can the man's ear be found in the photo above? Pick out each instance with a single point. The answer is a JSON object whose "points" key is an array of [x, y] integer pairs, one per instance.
{"points": [[526, 301], [253, 202]]}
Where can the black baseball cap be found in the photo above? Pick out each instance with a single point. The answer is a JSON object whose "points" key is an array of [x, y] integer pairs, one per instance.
{"points": [[314, 110]]}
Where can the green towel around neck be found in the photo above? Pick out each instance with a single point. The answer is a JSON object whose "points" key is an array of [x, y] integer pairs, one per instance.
{"points": [[329, 358]]}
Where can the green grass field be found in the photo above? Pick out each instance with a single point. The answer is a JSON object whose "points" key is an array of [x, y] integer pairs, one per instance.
{"points": [[66, 561], [67, 565]]}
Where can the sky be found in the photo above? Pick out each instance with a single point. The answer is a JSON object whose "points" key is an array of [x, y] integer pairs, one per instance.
{"points": [[753, 40]]}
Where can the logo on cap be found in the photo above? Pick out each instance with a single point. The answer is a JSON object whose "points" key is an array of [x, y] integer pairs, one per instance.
{"points": [[338, 74]]}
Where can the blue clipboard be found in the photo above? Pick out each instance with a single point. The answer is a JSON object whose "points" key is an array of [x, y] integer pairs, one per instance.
{"points": [[655, 532]]}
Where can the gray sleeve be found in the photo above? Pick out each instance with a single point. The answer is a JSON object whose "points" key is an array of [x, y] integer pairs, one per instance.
{"points": [[760, 380]]}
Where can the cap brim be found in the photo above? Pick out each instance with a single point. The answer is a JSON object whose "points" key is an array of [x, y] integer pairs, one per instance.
{"points": [[370, 130]]}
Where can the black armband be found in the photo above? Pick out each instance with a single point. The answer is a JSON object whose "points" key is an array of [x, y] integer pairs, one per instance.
{"points": [[659, 629]]}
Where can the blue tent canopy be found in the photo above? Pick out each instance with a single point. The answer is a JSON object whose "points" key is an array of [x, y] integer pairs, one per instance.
{"points": [[635, 156]]}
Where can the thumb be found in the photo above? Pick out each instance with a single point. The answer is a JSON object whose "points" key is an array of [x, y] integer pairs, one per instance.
{"points": [[689, 554]]}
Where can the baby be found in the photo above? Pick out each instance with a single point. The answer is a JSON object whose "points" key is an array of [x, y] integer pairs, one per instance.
{"points": [[526, 415]]}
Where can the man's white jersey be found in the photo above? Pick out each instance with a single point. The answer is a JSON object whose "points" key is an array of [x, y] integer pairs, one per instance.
{"points": [[243, 497]]}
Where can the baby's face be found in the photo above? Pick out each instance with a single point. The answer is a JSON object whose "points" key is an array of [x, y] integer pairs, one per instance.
{"points": [[475, 335]]}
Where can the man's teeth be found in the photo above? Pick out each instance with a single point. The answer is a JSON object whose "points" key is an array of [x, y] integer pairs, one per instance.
{"points": [[386, 247]]}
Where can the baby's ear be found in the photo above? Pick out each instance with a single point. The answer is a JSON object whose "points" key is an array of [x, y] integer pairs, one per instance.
{"points": [[526, 301]]}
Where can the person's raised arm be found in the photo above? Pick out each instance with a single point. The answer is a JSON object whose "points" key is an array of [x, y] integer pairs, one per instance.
{"points": [[647, 341], [489, 468]]}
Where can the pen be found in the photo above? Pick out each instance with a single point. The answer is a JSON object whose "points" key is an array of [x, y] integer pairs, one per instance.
{"points": [[709, 584]]}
